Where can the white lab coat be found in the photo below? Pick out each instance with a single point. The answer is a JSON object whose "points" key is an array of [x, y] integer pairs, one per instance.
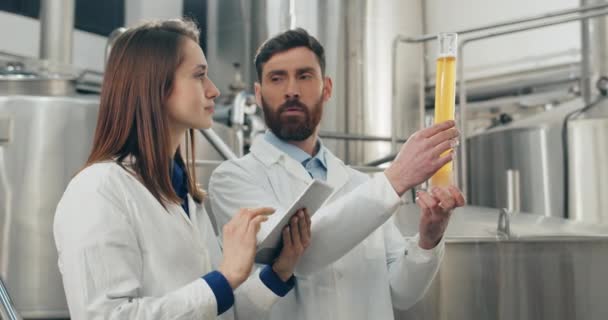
{"points": [[354, 268], [123, 256]]}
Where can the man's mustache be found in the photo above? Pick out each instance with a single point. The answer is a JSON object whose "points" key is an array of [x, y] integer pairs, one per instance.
{"points": [[291, 104]]}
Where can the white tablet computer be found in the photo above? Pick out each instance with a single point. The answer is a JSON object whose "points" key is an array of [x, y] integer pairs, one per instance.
{"points": [[269, 238]]}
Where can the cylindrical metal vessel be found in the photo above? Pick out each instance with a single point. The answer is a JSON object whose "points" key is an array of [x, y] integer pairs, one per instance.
{"points": [[56, 31], [532, 147], [587, 168], [49, 141], [549, 268], [358, 36]]}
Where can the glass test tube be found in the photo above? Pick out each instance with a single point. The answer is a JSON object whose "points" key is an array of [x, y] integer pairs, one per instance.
{"points": [[445, 96]]}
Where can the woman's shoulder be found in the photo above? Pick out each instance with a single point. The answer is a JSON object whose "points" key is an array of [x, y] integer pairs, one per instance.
{"points": [[101, 175]]}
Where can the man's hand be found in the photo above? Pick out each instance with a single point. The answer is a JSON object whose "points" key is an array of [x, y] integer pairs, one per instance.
{"points": [[421, 156], [296, 238], [436, 209]]}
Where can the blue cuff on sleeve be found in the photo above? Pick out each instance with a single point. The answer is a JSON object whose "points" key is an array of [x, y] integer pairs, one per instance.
{"points": [[221, 289], [274, 283]]}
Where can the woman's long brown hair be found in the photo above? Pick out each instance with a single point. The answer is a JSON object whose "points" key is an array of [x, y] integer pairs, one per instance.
{"points": [[132, 120]]}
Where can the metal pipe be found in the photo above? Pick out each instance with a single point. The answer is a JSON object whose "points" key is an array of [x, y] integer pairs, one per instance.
{"points": [[594, 52], [382, 160], [56, 30], [237, 120], [503, 229], [462, 176], [367, 169], [207, 163], [356, 137], [513, 191], [428, 37], [218, 144], [537, 26], [7, 310]]}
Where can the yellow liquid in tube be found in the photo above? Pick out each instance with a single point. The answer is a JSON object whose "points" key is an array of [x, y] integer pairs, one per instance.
{"points": [[445, 95]]}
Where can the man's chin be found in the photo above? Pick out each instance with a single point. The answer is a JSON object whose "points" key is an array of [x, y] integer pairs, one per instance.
{"points": [[294, 135]]}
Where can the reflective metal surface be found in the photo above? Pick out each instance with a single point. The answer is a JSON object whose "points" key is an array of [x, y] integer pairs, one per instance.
{"points": [[56, 30], [588, 170], [357, 36], [50, 141], [550, 268], [7, 308], [208, 157], [532, 147], [594, 55]]}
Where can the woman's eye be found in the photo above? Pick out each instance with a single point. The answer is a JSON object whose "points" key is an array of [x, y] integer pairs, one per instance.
{"points": [[201, 75]]}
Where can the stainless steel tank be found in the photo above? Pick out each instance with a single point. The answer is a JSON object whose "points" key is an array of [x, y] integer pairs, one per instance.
{"points": [[587, 164], [357, 35], [546, 268], [49, 141], [533, 148]]}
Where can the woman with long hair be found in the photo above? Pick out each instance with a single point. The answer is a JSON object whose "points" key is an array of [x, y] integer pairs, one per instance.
{"points": [[133, 238]]}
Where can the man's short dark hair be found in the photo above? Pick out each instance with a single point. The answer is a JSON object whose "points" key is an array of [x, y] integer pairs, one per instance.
{"points": [[288, 40]]}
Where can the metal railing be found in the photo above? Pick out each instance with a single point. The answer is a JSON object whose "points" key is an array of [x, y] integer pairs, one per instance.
{"points": [[7, 308], [547, 20], [218, 144], [357, 137]]}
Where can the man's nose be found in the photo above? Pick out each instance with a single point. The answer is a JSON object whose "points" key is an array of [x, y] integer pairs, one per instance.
{"points": [[293, 91]]}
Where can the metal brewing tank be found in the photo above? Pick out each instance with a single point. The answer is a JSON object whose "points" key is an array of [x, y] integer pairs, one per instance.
{"points": [[545, 268], [587, 169], [533, 148], [49, 139], [357, 36]]}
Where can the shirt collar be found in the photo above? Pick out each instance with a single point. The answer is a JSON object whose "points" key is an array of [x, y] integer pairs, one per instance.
{"points": [[178, 179], [294, 152]]}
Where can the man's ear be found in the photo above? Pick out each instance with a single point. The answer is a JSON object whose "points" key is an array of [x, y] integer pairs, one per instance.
{"points": [[328, 87], [258, 93]]}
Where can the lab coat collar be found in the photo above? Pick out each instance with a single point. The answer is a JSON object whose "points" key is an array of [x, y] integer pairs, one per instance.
{"points": [[270, 155], [337, 172], [172, 208]]}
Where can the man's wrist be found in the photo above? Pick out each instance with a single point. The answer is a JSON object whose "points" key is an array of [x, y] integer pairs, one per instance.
{"points": [[428, 244], [399, 184]]}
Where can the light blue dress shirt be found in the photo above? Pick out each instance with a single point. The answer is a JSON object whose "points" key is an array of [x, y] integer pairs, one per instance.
{"points": [[315, 166]]}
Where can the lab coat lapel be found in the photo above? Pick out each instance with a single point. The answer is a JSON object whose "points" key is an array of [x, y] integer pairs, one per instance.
{"points": [[337, 172], [278, 166]]}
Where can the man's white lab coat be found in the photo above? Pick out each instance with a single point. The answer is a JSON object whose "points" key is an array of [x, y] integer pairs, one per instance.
{"points": [[358, 265]]}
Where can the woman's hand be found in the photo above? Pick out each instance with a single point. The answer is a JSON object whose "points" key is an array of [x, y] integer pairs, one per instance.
{"points": [[239, 243]]}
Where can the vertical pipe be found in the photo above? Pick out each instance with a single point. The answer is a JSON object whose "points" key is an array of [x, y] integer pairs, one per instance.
{"points": [[56, 30], [594, 52], [513, 191]]}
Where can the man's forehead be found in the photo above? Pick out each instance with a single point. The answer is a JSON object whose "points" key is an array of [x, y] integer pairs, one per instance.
{"points": [[292, 59]]}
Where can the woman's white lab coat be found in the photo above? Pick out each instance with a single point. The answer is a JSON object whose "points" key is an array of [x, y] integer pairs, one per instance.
{"points": [[358, 265], [123, 256]]}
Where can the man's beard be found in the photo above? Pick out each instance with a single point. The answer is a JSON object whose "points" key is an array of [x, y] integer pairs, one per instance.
{"points": [[293, 128]]}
